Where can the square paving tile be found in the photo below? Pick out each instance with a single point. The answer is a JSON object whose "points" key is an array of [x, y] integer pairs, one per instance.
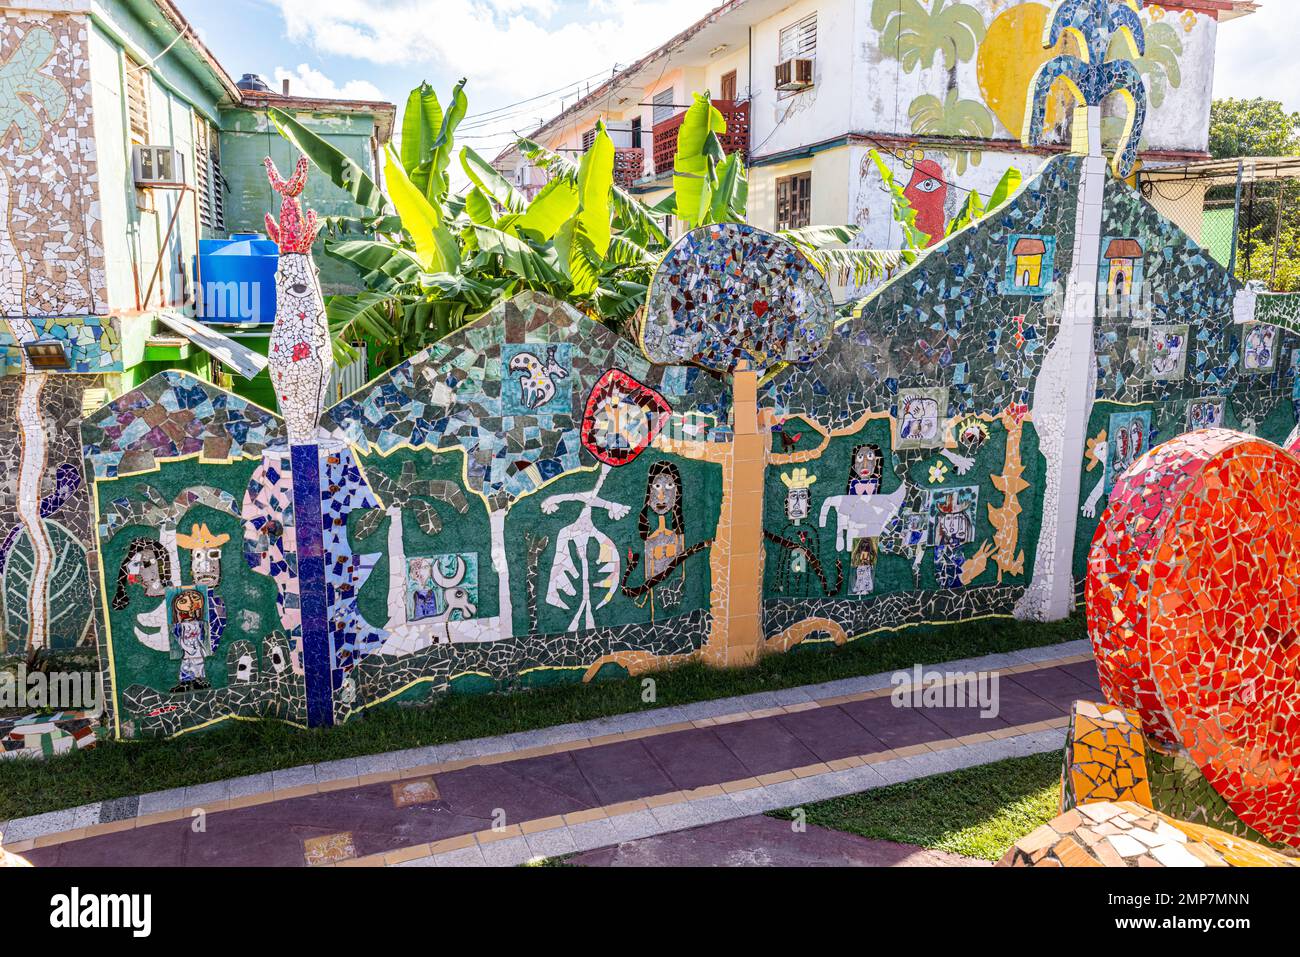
{"points": [[329, 849], [831, 734], [622, 771], [414, 791], [895, 727], [764, 745], [695, 758]]}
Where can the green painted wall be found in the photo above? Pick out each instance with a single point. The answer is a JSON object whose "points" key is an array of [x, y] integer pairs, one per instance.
{"points": [[248, 137]]}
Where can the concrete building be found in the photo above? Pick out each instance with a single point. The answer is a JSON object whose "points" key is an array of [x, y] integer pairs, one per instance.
{"points": [[810, 87]]}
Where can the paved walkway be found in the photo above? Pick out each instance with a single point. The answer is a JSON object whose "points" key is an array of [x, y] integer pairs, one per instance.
{"points": [[492, 802], [766, 842]]}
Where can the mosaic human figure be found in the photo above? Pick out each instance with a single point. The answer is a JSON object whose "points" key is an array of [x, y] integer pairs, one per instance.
{"points": [[800, 565], [190, 635], [571, 567], [954, 529], [205, 572], [662, 530], [865, 470], [301, 357], [146, 564]]}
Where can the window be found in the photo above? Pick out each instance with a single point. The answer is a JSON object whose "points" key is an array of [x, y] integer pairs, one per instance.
{"points": [[137, 100], [799, 40], [636, 132], [207, 175], [728, 91], [794, 201], [588, 139], [663, 106]]}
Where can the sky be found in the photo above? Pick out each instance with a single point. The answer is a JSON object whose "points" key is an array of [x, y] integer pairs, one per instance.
{"points": [[526, 58], [523, 58]]}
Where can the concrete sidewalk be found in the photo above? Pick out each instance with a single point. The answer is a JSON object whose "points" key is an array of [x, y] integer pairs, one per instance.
{"points": [[575, 787]]}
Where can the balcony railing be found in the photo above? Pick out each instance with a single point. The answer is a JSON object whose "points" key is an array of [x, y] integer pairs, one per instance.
{"points": [[735, 140], [629, 165]]}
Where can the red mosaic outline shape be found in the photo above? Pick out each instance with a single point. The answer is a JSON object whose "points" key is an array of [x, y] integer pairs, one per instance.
{"points": [[655, 405], [1193, 599]]}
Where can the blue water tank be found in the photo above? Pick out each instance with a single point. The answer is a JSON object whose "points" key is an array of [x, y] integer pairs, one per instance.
{"points": [[237, 276]]}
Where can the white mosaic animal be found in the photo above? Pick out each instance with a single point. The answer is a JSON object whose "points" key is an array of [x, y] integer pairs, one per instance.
{"points": [[861, 516], [537, 379], [301, 356]]}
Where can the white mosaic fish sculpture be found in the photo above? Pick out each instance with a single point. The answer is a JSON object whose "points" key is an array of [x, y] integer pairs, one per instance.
{"points": [[301, 357]]}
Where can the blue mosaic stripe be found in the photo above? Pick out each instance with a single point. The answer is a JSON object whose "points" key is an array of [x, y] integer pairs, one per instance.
{"points": [[305, 461]]}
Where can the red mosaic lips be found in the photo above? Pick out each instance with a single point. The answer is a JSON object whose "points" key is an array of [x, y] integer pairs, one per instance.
{"points": [[1194, 612], [622, 418]]}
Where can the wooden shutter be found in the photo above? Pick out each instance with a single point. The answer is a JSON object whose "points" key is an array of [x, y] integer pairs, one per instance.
{"points": [[794, 201], [137, 101]]}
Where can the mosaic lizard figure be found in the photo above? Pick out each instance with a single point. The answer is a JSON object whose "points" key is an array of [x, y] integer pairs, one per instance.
{"points": [[301, 357]]}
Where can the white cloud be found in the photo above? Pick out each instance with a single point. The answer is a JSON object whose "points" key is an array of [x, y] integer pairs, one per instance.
{"points": [[516, 48], [1256, 56], [312, 83]]}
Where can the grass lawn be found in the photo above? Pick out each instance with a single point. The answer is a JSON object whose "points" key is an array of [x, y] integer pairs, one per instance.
{"points": [[118, 769], [979, 812]]}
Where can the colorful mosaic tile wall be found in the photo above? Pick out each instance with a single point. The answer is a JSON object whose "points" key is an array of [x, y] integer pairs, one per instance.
{"points": [[47, 575], [487, 515], [452, 524], [909, 469]]}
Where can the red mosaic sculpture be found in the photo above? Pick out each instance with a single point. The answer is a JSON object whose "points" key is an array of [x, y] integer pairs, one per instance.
{"points": [[295, 232], [1194, 611]]}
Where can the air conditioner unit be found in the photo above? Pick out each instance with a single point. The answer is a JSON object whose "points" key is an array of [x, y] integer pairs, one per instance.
{"points": [[794, 75], [158, 166]]}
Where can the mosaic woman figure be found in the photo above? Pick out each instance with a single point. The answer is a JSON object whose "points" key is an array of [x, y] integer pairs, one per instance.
{"points": [[954, 530], [801, 562], [662, 530], [146, 564]]}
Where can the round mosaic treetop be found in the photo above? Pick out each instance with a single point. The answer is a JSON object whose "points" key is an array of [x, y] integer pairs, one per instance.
{"points": [[729, 292]]}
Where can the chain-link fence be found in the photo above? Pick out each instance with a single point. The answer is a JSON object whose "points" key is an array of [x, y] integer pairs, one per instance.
{"points": [[1244, 212]]}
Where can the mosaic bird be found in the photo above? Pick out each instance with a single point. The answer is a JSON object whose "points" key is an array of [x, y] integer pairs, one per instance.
{"points": [[537, 379]]}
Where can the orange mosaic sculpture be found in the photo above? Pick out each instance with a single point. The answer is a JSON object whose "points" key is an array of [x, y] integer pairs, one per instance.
{"points": [[1194, 612], [1105, 757]]}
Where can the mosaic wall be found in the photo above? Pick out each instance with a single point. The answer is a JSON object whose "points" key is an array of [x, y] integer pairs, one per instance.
{"points": [[504, 508], [51, 243], [46, 537], [907, 477]]}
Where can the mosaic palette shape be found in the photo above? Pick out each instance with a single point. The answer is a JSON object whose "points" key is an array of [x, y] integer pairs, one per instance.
{"points": [[1193, 597], [730, 292]]}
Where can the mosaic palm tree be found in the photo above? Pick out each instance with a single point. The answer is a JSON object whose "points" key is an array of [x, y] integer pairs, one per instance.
{"points": [[1090, 77], [916, 34]]}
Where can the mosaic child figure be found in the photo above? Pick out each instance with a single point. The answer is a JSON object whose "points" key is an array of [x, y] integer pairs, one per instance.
{"points": [[801, 563], [864, 479], [187, 629]]}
